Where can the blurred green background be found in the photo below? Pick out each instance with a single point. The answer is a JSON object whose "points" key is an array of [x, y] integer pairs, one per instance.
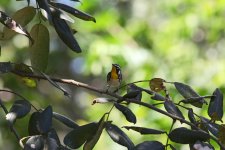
{"points": [[175, 40]]}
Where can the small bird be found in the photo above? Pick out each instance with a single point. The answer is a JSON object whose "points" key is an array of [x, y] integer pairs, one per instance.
{"points": [[114, 77]]}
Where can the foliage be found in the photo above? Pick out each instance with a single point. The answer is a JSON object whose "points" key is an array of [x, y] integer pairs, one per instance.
{"points": [[199, 132]]}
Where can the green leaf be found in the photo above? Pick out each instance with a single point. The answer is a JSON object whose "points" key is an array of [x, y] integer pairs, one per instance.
{"points": [[5, 67], [127, 113], [215, 110], [186, 136], [45, 9], [65, 120], [77, 13], [89, 145], [19, 109], [22, 17], [39, 51], [187, 92], [132, 88], [32, 127], [143, 130], [80, 135], [212, 127], [22, 69], [64, 32], [191, 116], [118, 136], [173, 109], [44, 122], [150, 145]]}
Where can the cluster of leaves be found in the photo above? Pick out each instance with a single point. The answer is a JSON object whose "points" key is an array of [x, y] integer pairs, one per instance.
{"points": [[39, 37]]}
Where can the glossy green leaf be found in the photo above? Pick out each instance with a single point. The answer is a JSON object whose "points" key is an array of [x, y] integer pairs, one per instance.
{"points": [[39, 51], [143, 130], [80, 135], [20, 19], [45, 9], [187, 92], [19, 109], [150, 145], [64, 32], [118, 136], [77, 13], [126, 112], [65, 120], [186, 136], [173, 109], [215, 110]]}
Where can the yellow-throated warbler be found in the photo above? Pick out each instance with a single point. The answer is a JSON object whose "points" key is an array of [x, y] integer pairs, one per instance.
{"points": [[114, 77]]}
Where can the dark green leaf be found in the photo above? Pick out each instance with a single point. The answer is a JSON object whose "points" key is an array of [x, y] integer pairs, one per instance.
{"points": [[34, 143], [187, 92], [45, 9], [126, 112], [132, 94], [5, 67], [65, 120], [173, 109], [212, 127], [172, 148], [77, 13], [186, 136], [191, 116], [44, 122], [215, 110], [80, 135], [133, 88], [51, 144], [22, 69], [32, 127], [143, 130], [64, 32], [89, 145], [158, 97], [19, 109], [39, 51], [40, 122], [118, 136], [150, 145], [53, 135]]}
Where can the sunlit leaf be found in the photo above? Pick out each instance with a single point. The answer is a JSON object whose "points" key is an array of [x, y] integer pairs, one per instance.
{"points": [[5, 67], [187, 92], [127, 113], [215, 110], [65, 120], [173, 109], [19, 109], [20, 19], [156, 84], [77, 13], [118, 136], [39, 51], [186, 136], [29, 82], [80, 135], [143, 130], [64, 32], [150, 145], [34, 143], [89, 145]]}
